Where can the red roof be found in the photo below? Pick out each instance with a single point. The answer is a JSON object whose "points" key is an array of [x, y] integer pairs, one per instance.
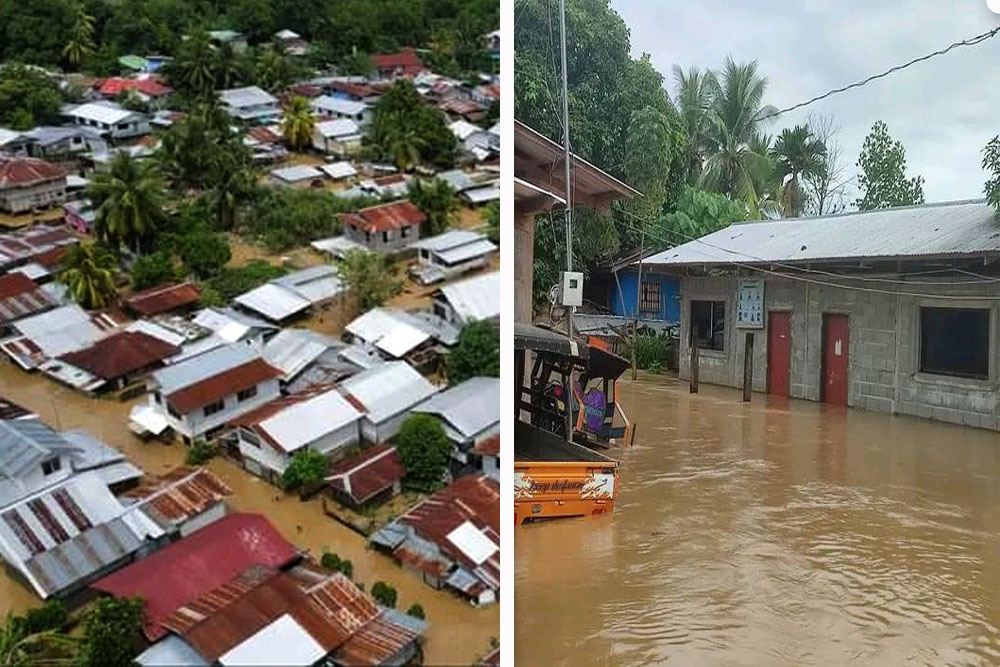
{"points": [[120, 354], [219, 386], [462, 107], [164, 298], [492, 91], [183, 571], [21, 296], [391, 179], [24, 171], [488, 447], [148, 86], [404, 62], [51, 257], [359, 90], [385, 217], [264, 135], [369, 473], [472, 498], [179, 495]]}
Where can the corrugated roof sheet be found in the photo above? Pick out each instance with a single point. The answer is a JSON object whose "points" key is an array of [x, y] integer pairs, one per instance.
{"points": [[388, 389], [165, 298], [27, 442], [20, 296], [368, 474], [387, 330], [300, 172], [467, 252], [273, 301], [292, 350], [120, 354], [385, 217], [304, 422], [338, 105], [179, 495], [187, 569], [205, 365], [248, 96], [106, 113], [471, 407], [455, 238], [219, 386], [476, 298], [946, 229]]}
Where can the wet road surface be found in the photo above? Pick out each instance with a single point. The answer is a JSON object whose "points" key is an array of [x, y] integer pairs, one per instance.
{"points": [[458, 633], [780, 533]]}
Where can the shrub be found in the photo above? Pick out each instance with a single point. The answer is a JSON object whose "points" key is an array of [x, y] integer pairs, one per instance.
{"points": [[230, 282], [384, 594], [285, 218], [346, 568], [152, 270], [476, 354], [205, 253], [307, 469], [652, 350], [200, 452], [370, 278], [330, 561], [416, 611], [424, 450], [50, 616]]}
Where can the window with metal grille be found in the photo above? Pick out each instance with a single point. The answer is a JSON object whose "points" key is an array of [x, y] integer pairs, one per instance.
{"points": [[649, 301], [955, 341], [708, 319]]}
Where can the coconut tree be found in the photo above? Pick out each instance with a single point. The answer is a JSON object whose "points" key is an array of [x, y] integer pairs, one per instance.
{"points": [[88, 273], [298, 122], [437, 201], [734, 167], [694, 95], [271, 70], [81, 37], [128, 202], [193, 70], [19, 645], [798, 155], [404, 145]]}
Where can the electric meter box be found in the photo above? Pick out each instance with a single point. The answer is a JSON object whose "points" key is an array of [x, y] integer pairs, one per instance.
{"points": [[572, 288]]}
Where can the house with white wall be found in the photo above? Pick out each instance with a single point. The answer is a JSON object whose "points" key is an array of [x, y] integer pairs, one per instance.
{"points": [[200, 395], [386, 394], [111, 120], [270, 436], [328, 106]]}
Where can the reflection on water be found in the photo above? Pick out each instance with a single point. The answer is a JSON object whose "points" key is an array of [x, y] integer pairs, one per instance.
{"points": [[779, 532], [457, 632]]}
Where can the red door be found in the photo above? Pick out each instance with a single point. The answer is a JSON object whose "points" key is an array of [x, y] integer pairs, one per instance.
{"points": [[779, 352], [835, 352]]}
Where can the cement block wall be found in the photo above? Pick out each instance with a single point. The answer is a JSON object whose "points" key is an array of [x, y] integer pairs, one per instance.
{"points": [[883, 363]]}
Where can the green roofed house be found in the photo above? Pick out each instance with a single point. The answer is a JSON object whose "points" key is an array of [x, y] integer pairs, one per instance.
{"points": [[137, 63]]}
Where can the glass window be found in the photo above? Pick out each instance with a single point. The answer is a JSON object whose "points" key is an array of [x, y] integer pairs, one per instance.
{"points": [[50, 466], [708, 320], [212, 408], [246, 394], [955, 341]]}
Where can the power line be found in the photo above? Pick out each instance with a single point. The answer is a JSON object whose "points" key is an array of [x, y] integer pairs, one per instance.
{"points": [[869, 290], [972, 41]]}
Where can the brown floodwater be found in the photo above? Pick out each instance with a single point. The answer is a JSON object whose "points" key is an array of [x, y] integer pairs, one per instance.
{"points": [[777, 532], [458, 633]]}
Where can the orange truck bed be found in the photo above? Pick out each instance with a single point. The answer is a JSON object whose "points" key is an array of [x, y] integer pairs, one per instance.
{"points": [[554, 478]]}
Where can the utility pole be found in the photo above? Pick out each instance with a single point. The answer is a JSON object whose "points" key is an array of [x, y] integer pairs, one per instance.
{"points": [[638, 300], [567, 154]]}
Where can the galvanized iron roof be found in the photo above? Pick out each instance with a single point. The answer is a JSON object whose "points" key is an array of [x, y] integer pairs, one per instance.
{"points": [[470, 408], [947, 229], [476, 298], [388, 389]]}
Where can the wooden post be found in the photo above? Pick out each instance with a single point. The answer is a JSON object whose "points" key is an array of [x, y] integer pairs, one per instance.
{"points": [[748, 367], [694, 360]]}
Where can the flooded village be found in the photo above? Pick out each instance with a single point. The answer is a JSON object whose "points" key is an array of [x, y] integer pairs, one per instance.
{"points": [[757, 388], [249, 386]]}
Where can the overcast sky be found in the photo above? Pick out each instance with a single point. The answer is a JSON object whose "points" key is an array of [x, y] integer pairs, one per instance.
{"points": [[943, 110]]}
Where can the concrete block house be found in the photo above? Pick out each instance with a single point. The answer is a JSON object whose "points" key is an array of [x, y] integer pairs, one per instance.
{"points": [[895, 311], [386, 227], [27, 184]]}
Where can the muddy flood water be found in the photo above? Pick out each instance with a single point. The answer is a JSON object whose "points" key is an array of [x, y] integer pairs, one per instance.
{"points": [[772, 533], [458, 633]]}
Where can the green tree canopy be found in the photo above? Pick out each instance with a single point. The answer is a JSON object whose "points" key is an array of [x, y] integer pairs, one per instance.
{"points": [[476, 354], [28, 97], [991, 163], [407, 132], [112, 633], [384, 594], [205, 252], [882, 177], [128, 202], [424, 450], [88, 272], [370, 278], [697, 213], [152, 270], [298, 122], [306, 470], [437, 201], [798, 155]]}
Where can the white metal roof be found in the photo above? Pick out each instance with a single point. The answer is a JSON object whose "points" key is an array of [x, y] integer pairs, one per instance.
{"points": [[463, 129], [7, 136], [338, 246], [448, 240], [336, 170], [483, 194], [302, 423], [339, 127], [282, 642], [64, 329], [294, 349], [287, 34], [468, 251], [390, 333], [470, 408], [247, 97], [389, 389], [299, 172], [157, 331], [945, 229], [315, 284], [339, 105], [476, 298], [273, 301], [170, 651], [472, 542], [229, 324], [106, 113]]}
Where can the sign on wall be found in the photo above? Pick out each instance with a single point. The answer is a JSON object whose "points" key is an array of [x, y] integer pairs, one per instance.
{"points": [[750, 304]]}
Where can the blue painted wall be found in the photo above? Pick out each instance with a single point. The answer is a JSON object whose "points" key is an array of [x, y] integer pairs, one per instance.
{"points": [[670, 303]]}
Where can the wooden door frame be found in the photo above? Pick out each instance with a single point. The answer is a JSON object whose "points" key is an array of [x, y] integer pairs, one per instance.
{"points": [[822, 355], [767, 357]]}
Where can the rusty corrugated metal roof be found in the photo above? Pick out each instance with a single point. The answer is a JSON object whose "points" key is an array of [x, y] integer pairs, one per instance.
{"points": [[384, 217], [181, 494], [164, 298]]}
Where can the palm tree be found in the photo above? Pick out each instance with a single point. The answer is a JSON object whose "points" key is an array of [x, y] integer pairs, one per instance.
{"points": [[271, 71], [694, 95], [734, 167], [798, 154], [228, 72], [81, 37], [404, 144], [298, 122], [19, 646], [88, 272], [193, 69], [128, 202]]}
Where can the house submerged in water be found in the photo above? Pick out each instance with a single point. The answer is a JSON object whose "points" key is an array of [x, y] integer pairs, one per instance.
{"points": [[896, 310]]}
